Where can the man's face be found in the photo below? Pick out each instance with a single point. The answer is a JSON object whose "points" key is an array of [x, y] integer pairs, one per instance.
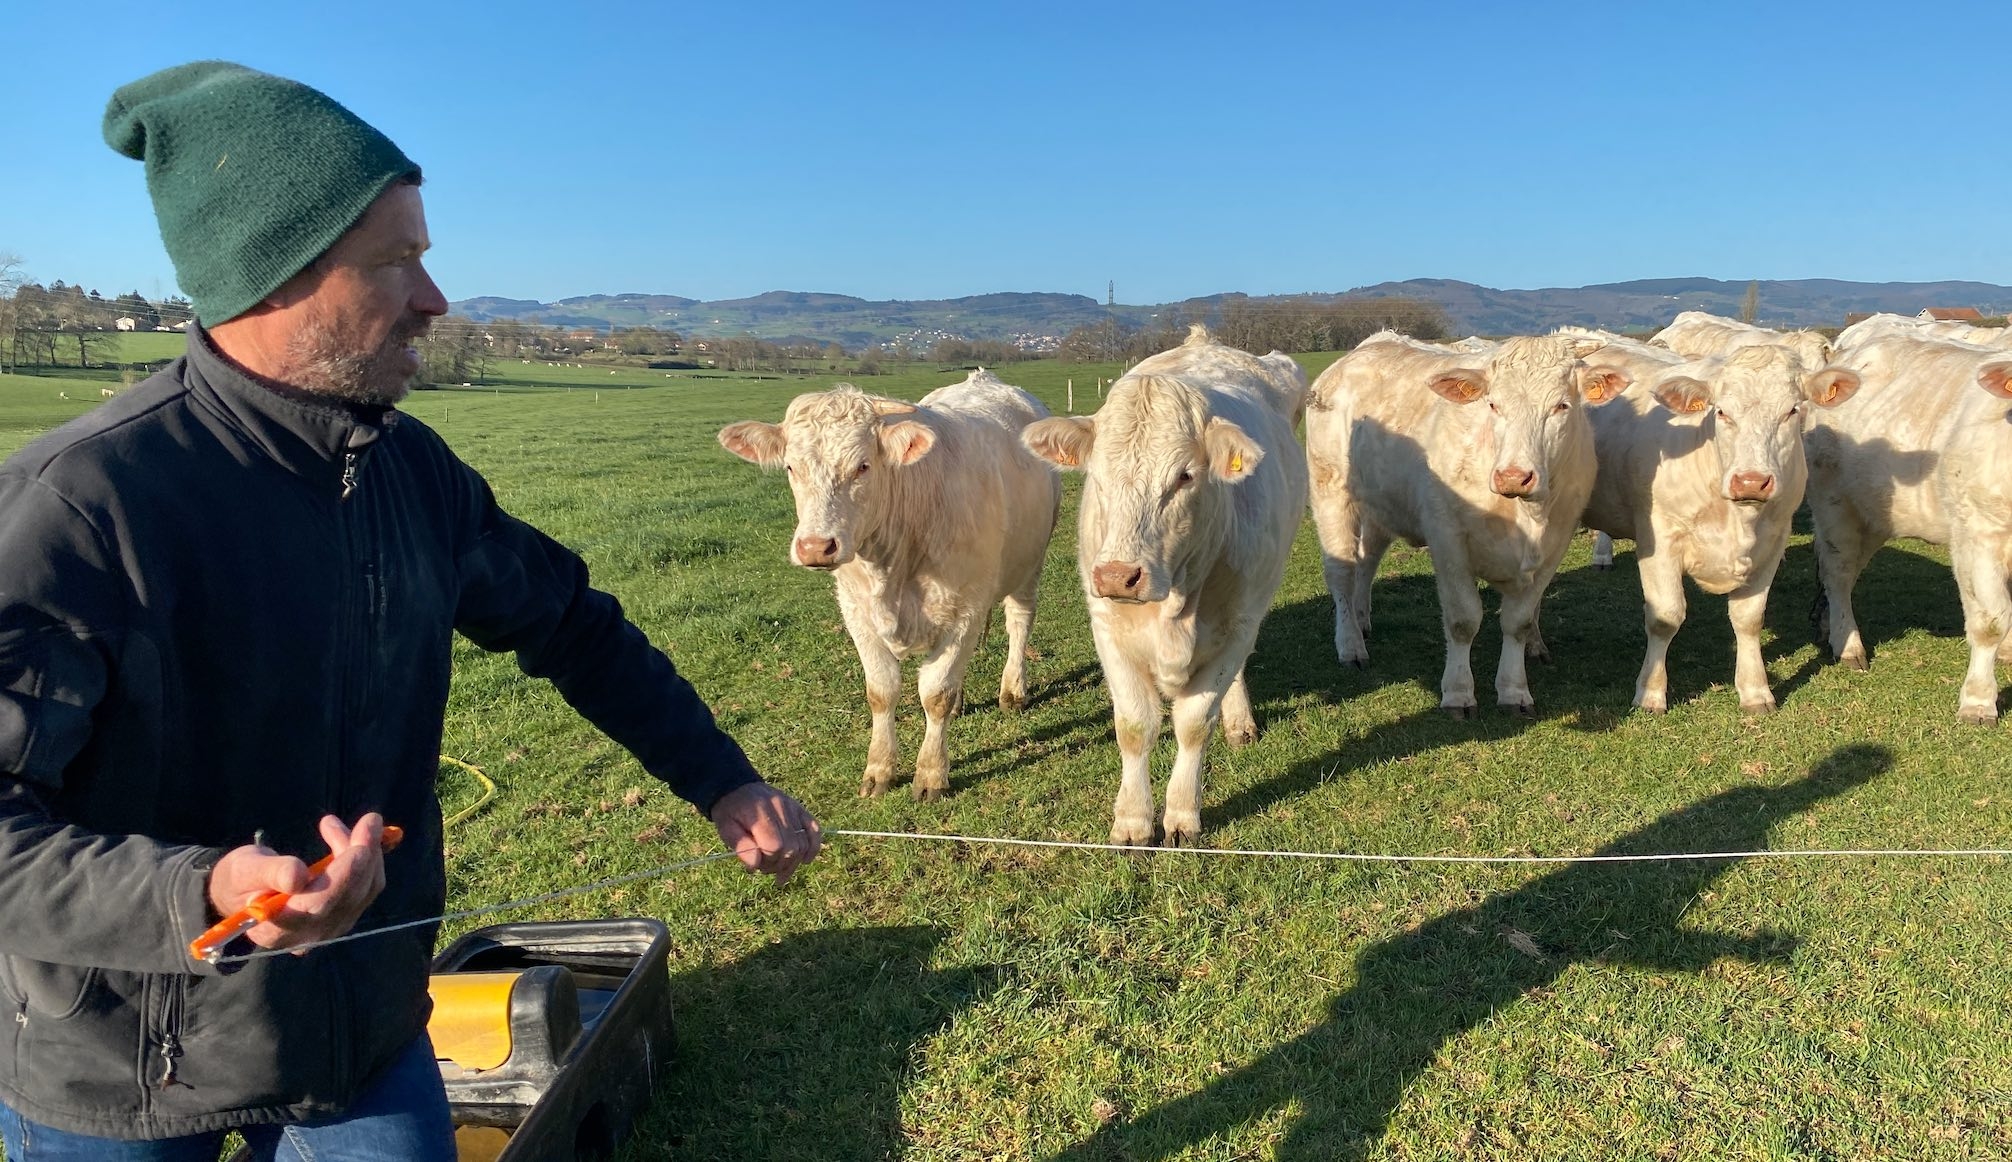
{"points": [[363, 304]]}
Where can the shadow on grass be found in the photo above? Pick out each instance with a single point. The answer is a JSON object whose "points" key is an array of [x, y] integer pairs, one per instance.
{"points": [[799, 1049], [1414, 993]]}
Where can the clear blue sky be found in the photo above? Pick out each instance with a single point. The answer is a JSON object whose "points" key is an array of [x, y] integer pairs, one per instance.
{"points": [[896, 150]]}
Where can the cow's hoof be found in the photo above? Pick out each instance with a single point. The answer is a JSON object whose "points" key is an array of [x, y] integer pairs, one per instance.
{"points": [[1183, 835], [1462, 713], [928, 792], [1978, 715], [1240, 735], [1855, 662], [1655, 708], [1012, 703], [1757, 709], [1132, 833], [872, 788], [1523, 709], [1600, 568]]}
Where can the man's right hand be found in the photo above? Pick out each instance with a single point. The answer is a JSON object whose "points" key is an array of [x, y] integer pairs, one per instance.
{"points": [[323, 907]]}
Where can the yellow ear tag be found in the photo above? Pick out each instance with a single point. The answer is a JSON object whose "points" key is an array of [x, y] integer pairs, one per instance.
{"points": [[1697, 405], [1236, 462]]}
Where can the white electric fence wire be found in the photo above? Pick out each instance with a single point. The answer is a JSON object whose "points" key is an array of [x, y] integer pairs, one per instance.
{"points": [[1337, 856]]}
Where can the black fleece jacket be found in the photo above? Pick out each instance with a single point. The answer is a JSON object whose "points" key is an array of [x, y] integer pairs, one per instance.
{"points": [[223, 609]]}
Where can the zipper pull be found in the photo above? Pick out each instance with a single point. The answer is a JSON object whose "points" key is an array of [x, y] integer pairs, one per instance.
{"points": [[348, 474], [171, 1049]]}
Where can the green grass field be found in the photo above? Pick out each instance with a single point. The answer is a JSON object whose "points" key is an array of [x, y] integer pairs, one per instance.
{"points": [[929, 1001]]}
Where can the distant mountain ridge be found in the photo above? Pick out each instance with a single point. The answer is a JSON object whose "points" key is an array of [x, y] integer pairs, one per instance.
{"points": [[856, 322]]}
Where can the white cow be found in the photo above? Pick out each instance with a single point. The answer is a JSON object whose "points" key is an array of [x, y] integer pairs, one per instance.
{"points": [[1698, 334], [1923, 450], [1873, 327], [1193, 487], [1702, 466], [1401, 444], [927, 516]]}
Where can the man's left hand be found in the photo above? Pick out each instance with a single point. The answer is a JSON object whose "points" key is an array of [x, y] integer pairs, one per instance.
{"points": [[767, 829]]}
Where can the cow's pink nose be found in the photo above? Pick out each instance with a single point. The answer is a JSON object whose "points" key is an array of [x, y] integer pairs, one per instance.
{"points": [[1515, 481], [1752, 485], [1119, 579], [817, 552]]}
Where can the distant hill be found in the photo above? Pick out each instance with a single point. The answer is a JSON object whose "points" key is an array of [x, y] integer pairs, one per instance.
{"points": [[854, 322]]}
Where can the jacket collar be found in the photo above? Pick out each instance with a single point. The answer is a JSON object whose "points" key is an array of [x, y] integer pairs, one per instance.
{"points": [[306, 434]]}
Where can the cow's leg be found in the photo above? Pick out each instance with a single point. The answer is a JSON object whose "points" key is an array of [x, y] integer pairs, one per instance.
{"points": [[1375, 543], [941, 684], [1195, 714], [1747, 607], [1519, 642], [1842, 552], [1603, 551], [1987, 622], [1340, 524], [883, 694], [1460, 618], [1239, 724], [1019, 627], [1663, 608], [1135, 709]]}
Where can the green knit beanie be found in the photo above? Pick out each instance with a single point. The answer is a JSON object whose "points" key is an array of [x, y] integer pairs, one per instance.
{"points": [[252, 175]]}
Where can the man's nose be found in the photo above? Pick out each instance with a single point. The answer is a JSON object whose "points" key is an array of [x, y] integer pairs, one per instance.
{"points": [[427, 299]]}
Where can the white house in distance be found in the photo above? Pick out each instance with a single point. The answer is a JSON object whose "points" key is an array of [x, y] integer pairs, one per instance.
{"points": [[1951, 314], [125, 323]]}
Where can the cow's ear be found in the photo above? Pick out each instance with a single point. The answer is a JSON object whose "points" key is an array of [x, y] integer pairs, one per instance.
{"points": [[1063, 441], [1462, 385], [1683, 395], [755, 442], [1831, 386], [906, 441], [1232, 454], [1993, 377], [1599, 384]]}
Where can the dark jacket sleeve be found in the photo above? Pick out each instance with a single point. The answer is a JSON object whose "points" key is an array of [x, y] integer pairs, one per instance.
{"points": [[525, 592], [73, 896]]}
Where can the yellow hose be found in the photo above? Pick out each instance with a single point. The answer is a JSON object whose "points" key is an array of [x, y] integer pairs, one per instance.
{"points": [[488, 791]]}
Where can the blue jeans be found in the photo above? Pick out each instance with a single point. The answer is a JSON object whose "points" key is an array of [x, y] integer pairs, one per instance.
{"points": [[403, 1116]]}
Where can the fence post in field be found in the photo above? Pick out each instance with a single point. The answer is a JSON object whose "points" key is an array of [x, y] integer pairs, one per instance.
{"points": [[1072, 397]]}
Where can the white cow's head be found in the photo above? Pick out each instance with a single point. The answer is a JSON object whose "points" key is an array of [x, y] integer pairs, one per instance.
{"points": [[1533, 388], [839, 447], [1755, 402], [1157, 470]]}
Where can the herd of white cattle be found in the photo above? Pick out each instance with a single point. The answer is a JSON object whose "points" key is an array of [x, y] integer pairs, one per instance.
{"points": [[1698, 445]]}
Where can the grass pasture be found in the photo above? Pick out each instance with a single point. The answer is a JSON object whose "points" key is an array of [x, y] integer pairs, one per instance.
{"points": [[930, 1001]]}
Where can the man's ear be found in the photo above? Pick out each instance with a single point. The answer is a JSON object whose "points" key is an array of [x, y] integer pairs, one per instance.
{"points": [[1461, 385], [755, 442], [905, 441], [1683, 395], [1599, 384], [1064, 441], [1831, 386], [1232, 453]]}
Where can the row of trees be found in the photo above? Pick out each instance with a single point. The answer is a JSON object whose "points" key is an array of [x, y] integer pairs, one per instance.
{"points": [[1291, 325], [64, 324]]}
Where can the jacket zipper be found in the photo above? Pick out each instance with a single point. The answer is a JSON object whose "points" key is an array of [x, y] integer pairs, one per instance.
{"points": [[170, 1048], [349, 471]]}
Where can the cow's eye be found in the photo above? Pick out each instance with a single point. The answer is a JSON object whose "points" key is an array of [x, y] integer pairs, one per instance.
{"points": [[790, 469], [1721, 413], [1792, 413], [1187, 476], [1561, 408], [1492, 408], [862, 469]]}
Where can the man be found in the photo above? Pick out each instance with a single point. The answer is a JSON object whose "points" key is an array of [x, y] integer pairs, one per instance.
{"points": [[226, 605]]}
